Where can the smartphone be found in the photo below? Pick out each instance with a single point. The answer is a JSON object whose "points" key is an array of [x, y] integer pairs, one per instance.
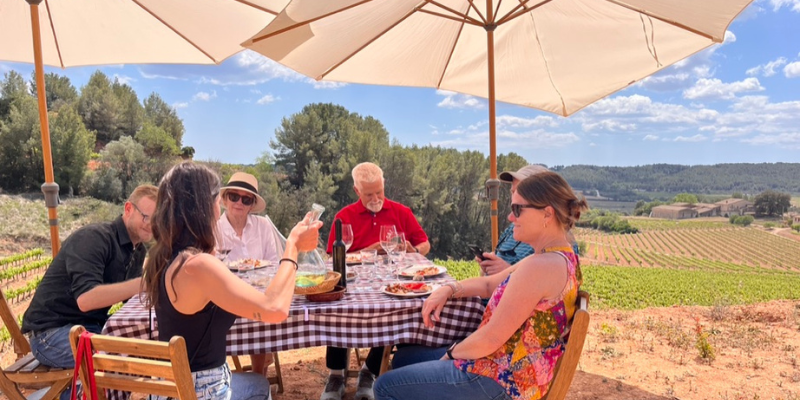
{"points": [[477, 251]]}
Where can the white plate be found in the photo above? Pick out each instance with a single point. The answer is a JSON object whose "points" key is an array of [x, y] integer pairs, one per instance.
{"points": [[411, 294], [248, 264], [411, 271], [352, 258], [351, 276]]}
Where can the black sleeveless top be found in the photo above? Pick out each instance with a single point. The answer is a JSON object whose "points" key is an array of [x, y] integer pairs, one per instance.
{"points": [[204, 331]]}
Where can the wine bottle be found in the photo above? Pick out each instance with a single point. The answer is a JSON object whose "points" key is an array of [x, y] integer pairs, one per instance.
{"points": [[339, 262]]}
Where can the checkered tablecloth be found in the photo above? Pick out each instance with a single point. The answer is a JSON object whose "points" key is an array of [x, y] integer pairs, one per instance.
{"points": [[367, 319]]}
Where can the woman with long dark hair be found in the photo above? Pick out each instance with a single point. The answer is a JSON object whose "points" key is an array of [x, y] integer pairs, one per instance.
{"points": [[195, 295]]}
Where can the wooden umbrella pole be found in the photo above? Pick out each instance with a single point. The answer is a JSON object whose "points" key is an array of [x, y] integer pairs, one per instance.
{"points": [[490, 26], [50, 188]]}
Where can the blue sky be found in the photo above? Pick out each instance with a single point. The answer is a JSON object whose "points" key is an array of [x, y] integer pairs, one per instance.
{"points": [[735, 102]]}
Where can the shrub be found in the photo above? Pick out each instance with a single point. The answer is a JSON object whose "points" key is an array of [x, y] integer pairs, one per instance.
{"points": [[742, 220], [796, 227], [769, 225]]}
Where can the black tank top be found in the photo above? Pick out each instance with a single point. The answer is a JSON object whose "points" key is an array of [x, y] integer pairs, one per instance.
{"points": [[203, 331]]}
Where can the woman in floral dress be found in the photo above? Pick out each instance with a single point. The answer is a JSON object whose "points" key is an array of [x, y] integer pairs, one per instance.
{"points": [[514, 351]]}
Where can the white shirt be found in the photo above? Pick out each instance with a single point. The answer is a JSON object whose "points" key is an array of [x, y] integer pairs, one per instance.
{"points": [[260, 239]]}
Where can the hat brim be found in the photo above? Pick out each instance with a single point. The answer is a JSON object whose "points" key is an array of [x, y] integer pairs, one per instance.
{"points": [[260, 204], [508, 176]]}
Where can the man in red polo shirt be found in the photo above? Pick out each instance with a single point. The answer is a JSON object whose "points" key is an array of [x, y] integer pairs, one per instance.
{"points": [[366, 216]]}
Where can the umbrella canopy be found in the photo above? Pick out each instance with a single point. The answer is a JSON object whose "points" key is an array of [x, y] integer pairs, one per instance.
{"points": [[554, 55], [67, 33]]}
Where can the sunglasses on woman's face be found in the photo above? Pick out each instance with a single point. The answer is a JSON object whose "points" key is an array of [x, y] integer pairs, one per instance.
{"points": [[516, 209], [246, 200]]}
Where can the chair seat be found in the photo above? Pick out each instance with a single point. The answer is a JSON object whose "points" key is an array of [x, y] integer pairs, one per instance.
{"points": [[29, 370]]}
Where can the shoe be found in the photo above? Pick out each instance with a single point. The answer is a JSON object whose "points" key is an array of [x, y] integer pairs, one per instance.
{"points": [[364, 385], [334, 388]]}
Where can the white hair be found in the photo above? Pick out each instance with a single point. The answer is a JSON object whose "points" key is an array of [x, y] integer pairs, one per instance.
{"points": [[367, 172]]}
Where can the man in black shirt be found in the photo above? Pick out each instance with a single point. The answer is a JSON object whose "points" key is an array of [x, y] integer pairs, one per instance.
{"points": [[98, 266]]}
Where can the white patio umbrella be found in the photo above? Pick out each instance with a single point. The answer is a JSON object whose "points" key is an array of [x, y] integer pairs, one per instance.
{"points": [[554, 55], [67, 33]]}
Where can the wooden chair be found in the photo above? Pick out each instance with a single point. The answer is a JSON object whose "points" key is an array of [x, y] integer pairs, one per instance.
{"points": [[273, 380], [135, 365], [27, 370], [565, 369]]}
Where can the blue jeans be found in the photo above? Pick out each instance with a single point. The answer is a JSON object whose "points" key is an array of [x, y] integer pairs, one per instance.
{"points": [[408, 354], [442, 378], [219, 384], [52, 348]]}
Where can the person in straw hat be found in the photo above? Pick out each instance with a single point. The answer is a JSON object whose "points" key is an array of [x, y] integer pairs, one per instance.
{"points": [[243, 235]]}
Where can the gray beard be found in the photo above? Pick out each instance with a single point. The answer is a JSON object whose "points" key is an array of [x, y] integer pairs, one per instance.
{"points": [[375, 207]]}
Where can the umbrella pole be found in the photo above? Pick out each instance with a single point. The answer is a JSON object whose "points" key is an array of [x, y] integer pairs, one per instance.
{"points": [[49, 188], [492, 184]]}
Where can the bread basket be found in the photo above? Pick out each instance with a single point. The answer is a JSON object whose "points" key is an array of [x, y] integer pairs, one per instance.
{"points": [[331, 280]]}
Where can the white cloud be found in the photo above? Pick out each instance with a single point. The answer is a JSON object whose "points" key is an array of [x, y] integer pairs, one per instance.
{"points": [[609, 125], [326, 84], [147, 75], [650, 138], [695, 138], [519, 122], [178, 106], [787, 140], [457, 100], [792, 70], [767, 69], [125, 80], [778, 4], [269, 98], [204, 96], [716, 89]]}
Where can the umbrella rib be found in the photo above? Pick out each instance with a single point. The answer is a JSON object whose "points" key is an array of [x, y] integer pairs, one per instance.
{"points": [[472, 4], [668, 21], [299, 24], [547, 67], [465, 16], [367, 43], [450, 56], [497, 10], [434, 13], [258, 7], [138, 3], [514, 13], [53, 28]]}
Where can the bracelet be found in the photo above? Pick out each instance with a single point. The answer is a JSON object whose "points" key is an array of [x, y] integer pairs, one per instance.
{"points": [[456, 288], [415, 249], [449, 351], [289, 260]]}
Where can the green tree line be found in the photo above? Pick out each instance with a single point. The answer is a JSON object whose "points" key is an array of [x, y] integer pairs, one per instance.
{"points": [[104, 140]]}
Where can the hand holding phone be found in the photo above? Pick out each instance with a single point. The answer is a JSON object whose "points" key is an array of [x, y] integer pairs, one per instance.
{"points": [[477, 251]]}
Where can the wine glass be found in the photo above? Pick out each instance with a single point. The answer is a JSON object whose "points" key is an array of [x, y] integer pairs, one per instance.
{"points": [[347, 236], [397, 254], [388, 232]]}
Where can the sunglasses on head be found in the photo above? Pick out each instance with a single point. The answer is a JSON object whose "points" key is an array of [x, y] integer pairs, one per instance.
{"points": [[516, 209], [246, 200]]}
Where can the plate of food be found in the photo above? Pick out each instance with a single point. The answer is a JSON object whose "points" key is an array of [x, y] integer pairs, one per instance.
{"points": [[351, 276], [248, 264], [425, 271], [409, 289], [353, 258]]}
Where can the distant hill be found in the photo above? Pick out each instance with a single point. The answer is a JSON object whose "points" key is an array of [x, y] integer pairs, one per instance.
{"points": [[628, 183]]}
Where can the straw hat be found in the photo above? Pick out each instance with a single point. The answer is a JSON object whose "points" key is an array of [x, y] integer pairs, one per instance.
{"points": [[248, 183]]}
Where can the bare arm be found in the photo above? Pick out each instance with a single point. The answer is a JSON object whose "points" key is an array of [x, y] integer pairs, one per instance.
{"points": [[107, 295], [424, 247], [540, 277]]}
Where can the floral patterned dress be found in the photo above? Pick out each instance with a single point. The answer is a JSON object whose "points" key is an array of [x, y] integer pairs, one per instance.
{"points": [[524, 365]]}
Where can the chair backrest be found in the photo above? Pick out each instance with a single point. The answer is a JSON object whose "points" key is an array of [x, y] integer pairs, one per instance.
{"points": [[21, 345], [135, 365], [565, 369]]}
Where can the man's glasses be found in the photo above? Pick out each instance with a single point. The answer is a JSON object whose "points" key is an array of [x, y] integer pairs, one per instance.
{"points": [[145, 217], [246, 200], [516, 209]]}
